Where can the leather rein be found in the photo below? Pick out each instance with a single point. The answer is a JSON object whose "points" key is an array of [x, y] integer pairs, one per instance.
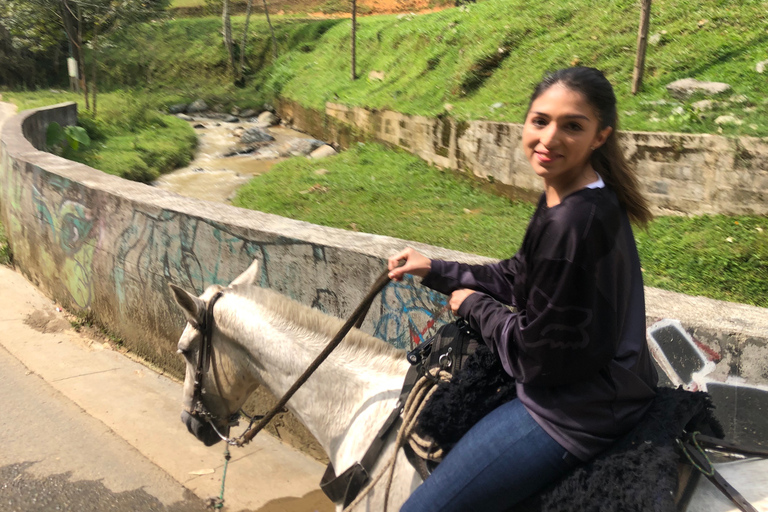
{"points": [[205, 355]]}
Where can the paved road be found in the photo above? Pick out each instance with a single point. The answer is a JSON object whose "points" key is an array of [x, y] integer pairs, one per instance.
{"points": [[54, 456], [83, 427]]}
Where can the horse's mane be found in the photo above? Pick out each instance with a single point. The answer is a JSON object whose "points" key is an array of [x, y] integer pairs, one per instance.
{"points": [[295, 315]]}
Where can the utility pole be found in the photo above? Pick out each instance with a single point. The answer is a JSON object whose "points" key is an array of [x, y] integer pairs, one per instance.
{"points": [[354, 36], [642, 44]]}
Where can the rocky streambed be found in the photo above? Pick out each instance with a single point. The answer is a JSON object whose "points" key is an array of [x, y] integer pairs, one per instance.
{"points": [[232, 149]]}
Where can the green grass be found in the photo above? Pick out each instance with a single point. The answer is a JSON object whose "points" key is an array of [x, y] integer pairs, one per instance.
{"points": [[5, 250], [188, 3], [181, 60], [481, 59], [376, 190], [716, 256], [130, 138], [495, 51]]}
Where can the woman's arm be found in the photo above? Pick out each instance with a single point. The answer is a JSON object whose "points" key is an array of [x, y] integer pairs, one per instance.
{"points": [[445, 277], [566, 331], [496, 279]]}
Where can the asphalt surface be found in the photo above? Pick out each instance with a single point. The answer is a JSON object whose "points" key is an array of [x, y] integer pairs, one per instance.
{"points": [[84, 427], [54, 456]]}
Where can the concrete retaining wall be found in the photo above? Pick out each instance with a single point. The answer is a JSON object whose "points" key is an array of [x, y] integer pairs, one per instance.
{"points": [[96, 242], [692, 174]]}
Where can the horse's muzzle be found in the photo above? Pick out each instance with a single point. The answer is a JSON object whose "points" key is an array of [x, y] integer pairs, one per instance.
{"points": [[202, 430]]}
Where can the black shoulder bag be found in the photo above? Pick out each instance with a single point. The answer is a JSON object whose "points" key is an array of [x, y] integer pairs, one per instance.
{"points": [[478, 383]]}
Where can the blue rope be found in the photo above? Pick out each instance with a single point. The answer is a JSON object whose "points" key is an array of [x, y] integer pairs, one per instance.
{"points": [[220, 503]]}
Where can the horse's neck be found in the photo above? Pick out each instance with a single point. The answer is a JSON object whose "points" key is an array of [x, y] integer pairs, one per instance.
{"points": [[346, 399]]}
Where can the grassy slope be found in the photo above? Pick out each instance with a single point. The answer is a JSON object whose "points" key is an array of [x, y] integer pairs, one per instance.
{"points": [[452, 57], [184, 59], [448, 57], [373, 189]]}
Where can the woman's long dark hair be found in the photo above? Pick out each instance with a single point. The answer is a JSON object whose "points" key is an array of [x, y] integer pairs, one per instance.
{"points": [[608, 160]]}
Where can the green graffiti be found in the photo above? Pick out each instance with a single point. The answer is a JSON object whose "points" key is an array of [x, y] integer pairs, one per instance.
{"points": [[71, 228]]}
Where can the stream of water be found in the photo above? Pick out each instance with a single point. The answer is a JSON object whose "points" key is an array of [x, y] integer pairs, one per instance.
{"points": [[215, 177]]}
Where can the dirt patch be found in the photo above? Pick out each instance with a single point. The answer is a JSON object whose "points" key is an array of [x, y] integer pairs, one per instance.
{"points": [[47, 321], [315, 501], [333, 9]]}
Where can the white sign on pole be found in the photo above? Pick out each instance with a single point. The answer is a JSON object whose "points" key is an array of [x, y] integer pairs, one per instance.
{"points": [[72, 67]]}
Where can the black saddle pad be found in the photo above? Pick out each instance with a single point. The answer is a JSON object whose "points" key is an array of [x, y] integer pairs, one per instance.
{"points": [[638, 473]]}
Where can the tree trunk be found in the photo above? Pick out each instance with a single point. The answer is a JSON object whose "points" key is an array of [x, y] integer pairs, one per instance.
{"points": [[83, 81], [226, 22], [642, 44], [354, 37], [95, 63], [271, 31], [245, 38]]}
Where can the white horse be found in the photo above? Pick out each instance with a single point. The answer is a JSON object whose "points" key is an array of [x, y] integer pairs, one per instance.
{"points": [[263, 338]]}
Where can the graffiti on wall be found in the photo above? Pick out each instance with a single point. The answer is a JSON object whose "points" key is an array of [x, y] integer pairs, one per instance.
{"points": [[410, 313], [194, 253], [66, 232], [72, 229], [682, 360]]}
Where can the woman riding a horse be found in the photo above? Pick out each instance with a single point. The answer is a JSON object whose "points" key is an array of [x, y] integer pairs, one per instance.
{"points": [[565, 315]]}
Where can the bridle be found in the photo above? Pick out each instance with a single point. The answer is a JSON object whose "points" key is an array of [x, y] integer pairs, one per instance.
{"points": [[205, 355]]}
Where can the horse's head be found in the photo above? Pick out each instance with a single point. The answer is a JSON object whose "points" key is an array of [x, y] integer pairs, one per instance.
{"points": [[222, 387]]}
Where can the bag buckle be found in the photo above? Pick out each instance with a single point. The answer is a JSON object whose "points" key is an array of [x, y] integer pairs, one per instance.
{"points": [[420, 353]]}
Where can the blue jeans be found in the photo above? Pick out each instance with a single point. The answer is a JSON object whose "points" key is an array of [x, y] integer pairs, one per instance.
{"points": [[505, 458]]}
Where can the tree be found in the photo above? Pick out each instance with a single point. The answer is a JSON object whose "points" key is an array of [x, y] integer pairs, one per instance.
{"points": [[271, 31], [30, 43], [227, 32], [245, 38], [42, 25], [248, 9]]}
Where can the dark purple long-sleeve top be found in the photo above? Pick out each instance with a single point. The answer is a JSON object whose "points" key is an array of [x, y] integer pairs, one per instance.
{"points": [[574, 339]]}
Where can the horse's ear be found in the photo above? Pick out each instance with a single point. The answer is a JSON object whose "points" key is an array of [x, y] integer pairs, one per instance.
{"points": [[248, 277], [194, 308]]}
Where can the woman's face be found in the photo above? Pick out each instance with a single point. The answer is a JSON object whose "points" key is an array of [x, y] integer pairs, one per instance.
{"points": [[561, 130]]}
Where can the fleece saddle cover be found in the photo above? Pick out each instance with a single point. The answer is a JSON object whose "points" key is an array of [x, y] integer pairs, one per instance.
{"points": [[638, 473]]}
